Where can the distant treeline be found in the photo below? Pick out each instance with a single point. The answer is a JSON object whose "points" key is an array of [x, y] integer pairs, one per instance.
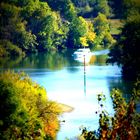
{"points": [[28, 26]]}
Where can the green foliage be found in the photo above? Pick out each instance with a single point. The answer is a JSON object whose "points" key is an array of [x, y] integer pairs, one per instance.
{"points": [[125, 52], [116, 26], [131, 8], [32, 26], [81, 33], [26, 112], [136, 91], [45, 24], [127, 49], [117, 8], [39, 25], [103, 38], [89, 37], [12, 28], [91, 8], [85, 11], [7, 49], [102, 7], [69, 10], [66, 8], [130, 46], [81, 3], [80, 29]]}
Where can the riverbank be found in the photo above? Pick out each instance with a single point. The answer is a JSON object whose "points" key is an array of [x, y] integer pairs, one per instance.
{"points": [[65, 108]]}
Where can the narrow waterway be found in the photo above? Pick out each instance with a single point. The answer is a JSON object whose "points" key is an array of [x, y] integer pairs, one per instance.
{"points": [[63, 79]]}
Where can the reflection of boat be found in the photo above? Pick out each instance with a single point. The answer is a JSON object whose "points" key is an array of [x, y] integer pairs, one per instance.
{"points": [[83, 54]]}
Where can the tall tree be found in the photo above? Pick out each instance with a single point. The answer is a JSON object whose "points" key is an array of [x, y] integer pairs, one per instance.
{"points": [[81, 33], [103, 38], [66, 8], [45, 24], [13, 29], [117, 7], [102, 6], [127, 48]]}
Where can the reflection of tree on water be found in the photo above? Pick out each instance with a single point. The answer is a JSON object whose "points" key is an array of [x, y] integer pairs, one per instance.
{"points": [[49, 60], [45, 60], [56, 61], [53, 60], [9, 62], [84, 76], [125, 86], [101, 59]]}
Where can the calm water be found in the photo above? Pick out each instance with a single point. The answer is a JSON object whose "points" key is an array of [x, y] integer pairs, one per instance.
{"points": [[63, 79]]}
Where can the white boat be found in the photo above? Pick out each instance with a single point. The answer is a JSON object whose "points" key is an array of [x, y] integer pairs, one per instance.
{"points": [[82, 55]]}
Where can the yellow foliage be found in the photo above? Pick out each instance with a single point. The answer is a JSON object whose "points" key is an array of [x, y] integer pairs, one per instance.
{"points": [[83, 41], [83, 21], [93, 59], [51, 128], [91, 36]]}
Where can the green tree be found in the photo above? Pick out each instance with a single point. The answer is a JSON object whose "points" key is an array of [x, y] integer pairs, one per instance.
{"points": [[26, 112], [32, 26], [66, 8], [117, 8], [127, 47], [131, 8], [103, 38], [46, 25], [126, 50], [81, 33], [101, 6], [78, 28], [80, 3], [13, 29], [7, 48]]}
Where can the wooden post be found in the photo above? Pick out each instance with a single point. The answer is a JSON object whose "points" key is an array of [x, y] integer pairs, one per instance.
{"points": [[84, 75]]}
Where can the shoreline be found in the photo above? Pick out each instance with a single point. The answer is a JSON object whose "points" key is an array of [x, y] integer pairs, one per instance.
{"points": [[65, 108]]}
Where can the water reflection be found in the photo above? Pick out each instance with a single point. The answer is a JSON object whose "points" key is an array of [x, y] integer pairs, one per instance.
{"points": [[9, 62], [63, 79], [52, 61]]}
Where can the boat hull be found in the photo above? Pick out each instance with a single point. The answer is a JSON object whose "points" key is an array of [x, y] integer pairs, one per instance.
{"points": [[82, 55]]}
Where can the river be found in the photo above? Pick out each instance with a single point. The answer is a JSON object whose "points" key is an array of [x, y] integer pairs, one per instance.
{"points": [[63, 78]]}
